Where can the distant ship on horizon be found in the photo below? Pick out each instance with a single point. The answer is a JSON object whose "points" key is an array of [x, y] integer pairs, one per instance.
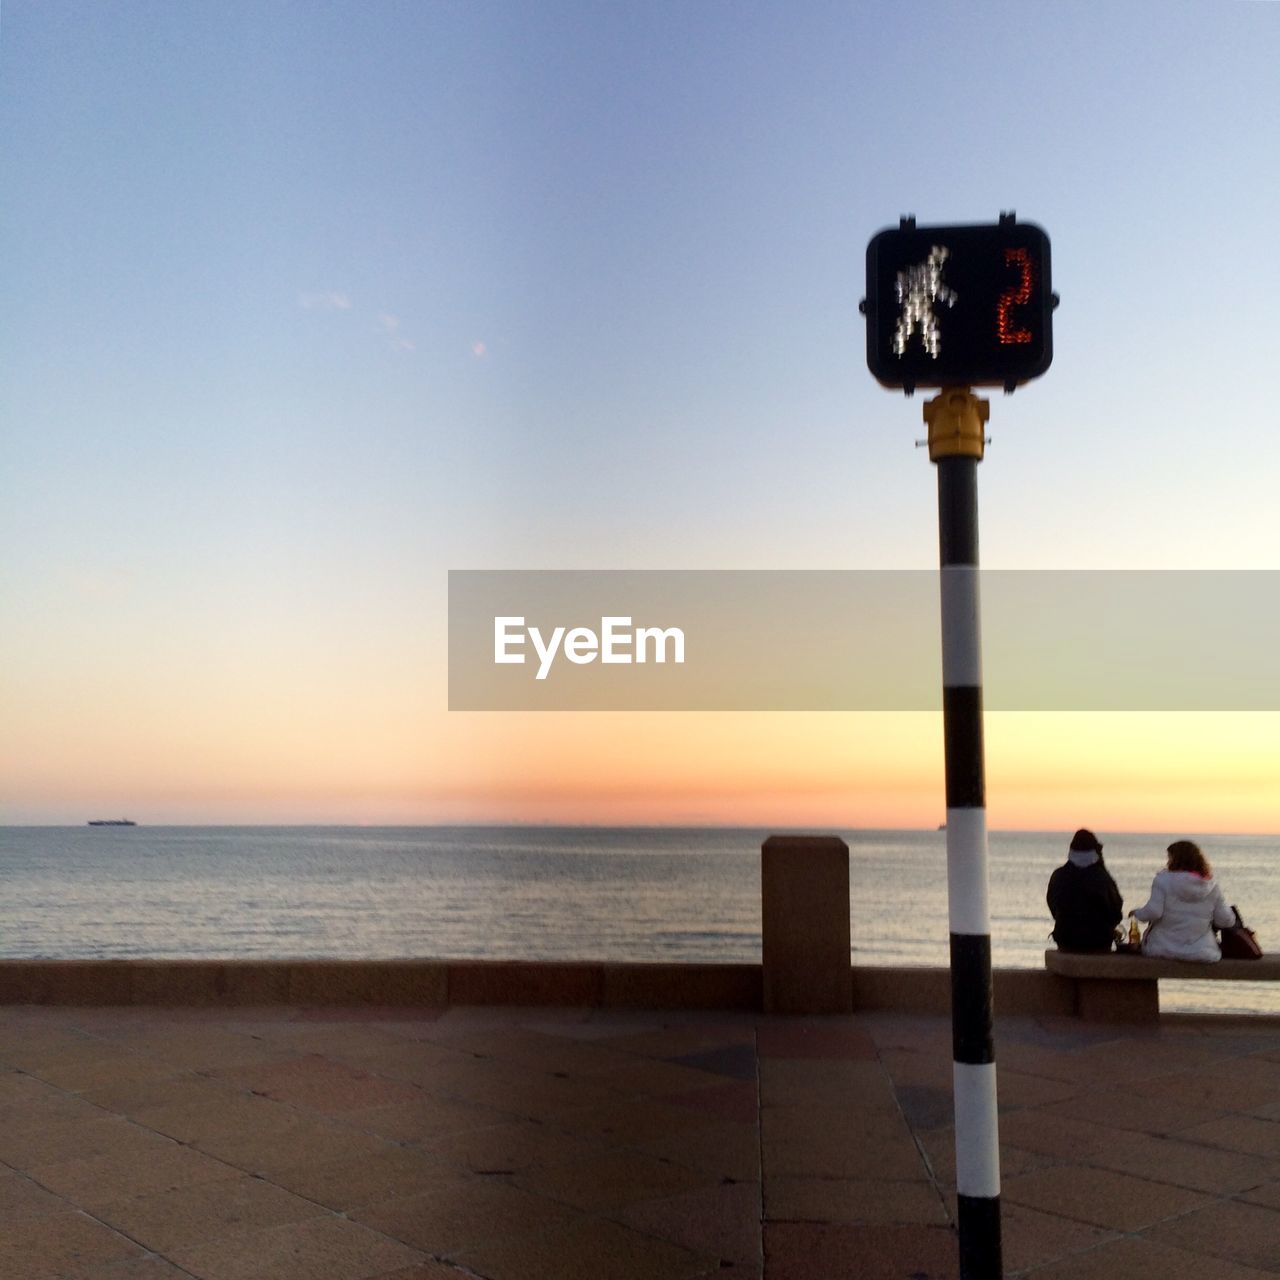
{"points": [[112, 822]]}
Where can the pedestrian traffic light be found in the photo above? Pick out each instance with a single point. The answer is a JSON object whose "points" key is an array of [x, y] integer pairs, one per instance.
{"points": [[964, 305]]}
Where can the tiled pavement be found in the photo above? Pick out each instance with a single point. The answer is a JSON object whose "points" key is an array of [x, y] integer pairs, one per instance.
{"points": [[537, 1144]]}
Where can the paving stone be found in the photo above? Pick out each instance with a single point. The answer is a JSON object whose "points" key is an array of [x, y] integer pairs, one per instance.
{"points": [[1260, 1069], [1100, 1197], [828, 1038], [922, 1032], [23, 1095], [429, 1270], [217, 1111], [65, 1246], [522, 1091], [409, 1023], [610, 1179], [1268, 1195], [1134, 1256], [542, 1051], [1020, 1089], [805, 1251], [99, 1180], [1219, 1091], [721, 1222], [511, 1148], [1052, 1134], [727, 1150], [461, 1020], [589, 1250], [1132, 1111], [797, 1199], [655, 1078], [41, 1143], [914, 1067], [152, 1268], [1038, 1059], [185, 1089], [320, 1249], [852, 1083], [21, 1199], [30, 1047], [1238, 1133], [608, 1024], [832, 1143], [737, 1061], [393, 1054], [674, 1042], [317, 1084], [451, 1075], [345, 1184], [1230, 1229], [342, 1040], [205, 1211], [399, 1016], [1184, 1164], [924, 1107], [1030, 1238], [287, 1143], [1242, 1034], [89, 1069], [939, 1146], [1147, 1054], [731, 1100], [631, 1122], [424, 1118], [1083, 1110], [64, 1109], [463, 1213], [210, 1048], [120, 1022], [414, 1062]]}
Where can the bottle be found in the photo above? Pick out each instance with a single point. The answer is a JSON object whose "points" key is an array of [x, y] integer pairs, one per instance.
{"points": [[1135, 935]]}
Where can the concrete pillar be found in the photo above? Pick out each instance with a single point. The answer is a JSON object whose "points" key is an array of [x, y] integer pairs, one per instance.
{"points": [[1128, 1000], [804, 882]]}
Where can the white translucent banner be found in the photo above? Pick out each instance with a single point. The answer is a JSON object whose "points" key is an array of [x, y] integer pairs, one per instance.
{"points": [[744, 640]]}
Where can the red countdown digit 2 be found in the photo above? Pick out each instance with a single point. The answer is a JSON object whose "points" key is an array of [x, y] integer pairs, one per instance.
{"points": [[1015, 296]]}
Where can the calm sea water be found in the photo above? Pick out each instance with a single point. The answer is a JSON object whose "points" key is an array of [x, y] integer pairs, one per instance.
{"points": [[630, 894]]}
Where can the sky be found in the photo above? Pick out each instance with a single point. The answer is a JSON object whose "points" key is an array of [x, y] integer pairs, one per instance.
{"points": [[304, 305]]}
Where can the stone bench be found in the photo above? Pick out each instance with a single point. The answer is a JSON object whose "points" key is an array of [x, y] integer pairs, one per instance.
{"points": [[1126, 988]]}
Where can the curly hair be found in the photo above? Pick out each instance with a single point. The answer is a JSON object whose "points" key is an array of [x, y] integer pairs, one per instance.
{"points": [[1186, 856]]}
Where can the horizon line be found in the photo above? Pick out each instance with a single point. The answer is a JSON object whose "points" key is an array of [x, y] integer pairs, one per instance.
{"points": [[599, 826]]}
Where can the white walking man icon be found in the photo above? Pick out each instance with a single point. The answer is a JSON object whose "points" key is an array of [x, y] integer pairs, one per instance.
{"points": [[918, 288]]}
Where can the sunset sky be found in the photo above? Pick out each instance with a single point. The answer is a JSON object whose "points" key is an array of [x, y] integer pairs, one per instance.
{"points": [[303, 305]]}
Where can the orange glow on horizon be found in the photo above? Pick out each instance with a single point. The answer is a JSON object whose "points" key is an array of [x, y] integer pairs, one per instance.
{"points": [[386, 763]]}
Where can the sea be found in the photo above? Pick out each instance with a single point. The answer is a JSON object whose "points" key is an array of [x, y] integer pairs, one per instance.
{"points": [[550, 893]]}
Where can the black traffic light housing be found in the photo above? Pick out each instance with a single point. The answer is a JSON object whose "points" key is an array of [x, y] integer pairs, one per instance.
{"points": [[968, 305]]}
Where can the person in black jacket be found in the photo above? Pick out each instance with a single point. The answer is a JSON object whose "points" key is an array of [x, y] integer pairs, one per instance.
{"points": [[1083, 898]]}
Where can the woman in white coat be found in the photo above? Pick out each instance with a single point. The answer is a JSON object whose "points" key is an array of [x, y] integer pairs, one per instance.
{"points": [[1184, 908]]}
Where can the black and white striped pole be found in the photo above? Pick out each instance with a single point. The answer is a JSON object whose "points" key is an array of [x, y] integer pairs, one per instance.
{"points": [[957, 431], [955, 307]]}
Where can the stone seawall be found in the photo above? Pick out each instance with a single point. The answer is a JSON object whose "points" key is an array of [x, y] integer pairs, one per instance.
{"points": [[441, 983]]}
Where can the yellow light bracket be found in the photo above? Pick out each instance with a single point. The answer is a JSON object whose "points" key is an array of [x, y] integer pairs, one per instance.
{"points": [[957, 421]]}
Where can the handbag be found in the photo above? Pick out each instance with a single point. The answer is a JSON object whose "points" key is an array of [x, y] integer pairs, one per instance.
{"points": [[1238, 941]]}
